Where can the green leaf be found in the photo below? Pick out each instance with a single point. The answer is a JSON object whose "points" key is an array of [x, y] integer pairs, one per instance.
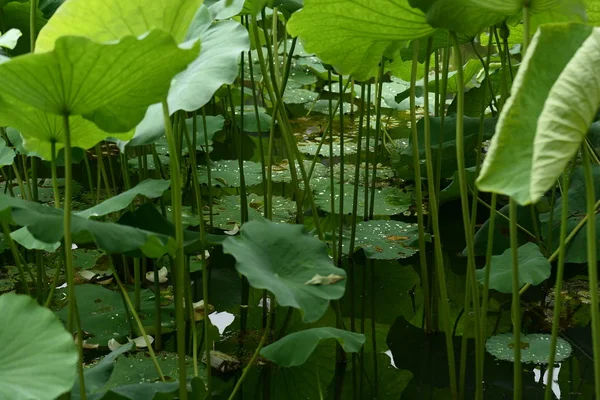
{"points": [[534, 268], [46, 225], [534, 348], [96, 376], [402, 160], [568, 112], [383, 239], [508, 167], [39, 129], [150, 188], [227, 173], [577, 248], [104, 317], [38, 356], [227, 210], [592, 8], [295, 348], [216, 65], [467, 16], [110, 20], [285, 260], [7, 155], [354, 36], [104, 86], [224, 9], [388, 200], [27, 240]]}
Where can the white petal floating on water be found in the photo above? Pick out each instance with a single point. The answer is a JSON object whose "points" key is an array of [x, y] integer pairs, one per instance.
{"points": [[221, 320]]}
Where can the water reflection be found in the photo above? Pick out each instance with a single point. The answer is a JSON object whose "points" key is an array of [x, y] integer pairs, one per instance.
{"points": [[537, 372]]}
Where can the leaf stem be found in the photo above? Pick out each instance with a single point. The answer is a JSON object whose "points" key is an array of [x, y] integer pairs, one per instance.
{"points": [[263, 339], [179, 270], [592, 266]]}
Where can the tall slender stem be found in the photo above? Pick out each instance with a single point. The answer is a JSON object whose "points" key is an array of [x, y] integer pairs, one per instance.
{"points": [[418, 184], [516, 305], [205, 275], [434, 211], [558, 297], [263, 339], [179, 255], [592, 265], [73, 314], [342, 163], [464, 200]]}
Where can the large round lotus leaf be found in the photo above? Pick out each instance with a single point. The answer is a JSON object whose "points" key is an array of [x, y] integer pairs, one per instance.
{"points": [[534, 268], [509, 166], [104, 317], [227, 210], [109, 20], [467, 16], [294, 349], [534, 348], [40, 129], [111, 85], [227, 173], [388, 201], [38, 355], [216, 65], [354, 35], [288, 262], [387, 240]]}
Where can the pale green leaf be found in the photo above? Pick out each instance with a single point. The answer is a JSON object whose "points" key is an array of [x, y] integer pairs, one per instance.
{"points": [[572, 105], [534, 348], [7, 155], [38, 355], [107, 84], [111, 20], [592, 8], [294, 349], [39, 129], [216, 65], [150, 188], [354, 35], [534, 268], [507, 168], [467, 16]]}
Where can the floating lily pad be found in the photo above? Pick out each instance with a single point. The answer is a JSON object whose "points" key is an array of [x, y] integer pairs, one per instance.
{"points": [[534, 268], [322, 106], [388, 201], [38, 356], [227, 173], [383, 239], [227, 210], [534, 348], [103, 314], [299, 96], [138, 368], [284, 259]]}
